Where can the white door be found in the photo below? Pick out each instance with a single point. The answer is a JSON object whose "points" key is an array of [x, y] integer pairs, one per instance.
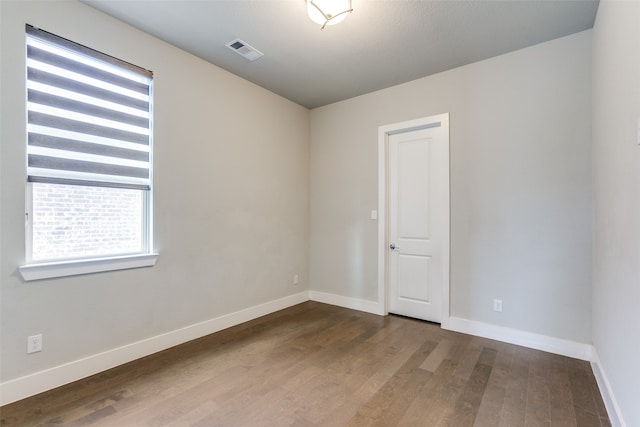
{"points": [[418, 220]]}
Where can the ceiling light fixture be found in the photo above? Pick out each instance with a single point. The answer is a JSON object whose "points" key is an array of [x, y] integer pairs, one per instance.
{"points": [[328, 12]]}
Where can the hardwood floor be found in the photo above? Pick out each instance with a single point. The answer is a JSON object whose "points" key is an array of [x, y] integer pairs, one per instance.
{"points": [[319, 365]]}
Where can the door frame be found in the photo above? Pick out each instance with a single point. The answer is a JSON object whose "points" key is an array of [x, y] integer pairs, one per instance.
{"points": [[383, 206]]}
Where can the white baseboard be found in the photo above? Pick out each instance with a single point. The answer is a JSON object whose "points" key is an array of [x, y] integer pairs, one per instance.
{"points": [[347, 302], [610, 402], [29, 385], [550, 344], [515, 336]]}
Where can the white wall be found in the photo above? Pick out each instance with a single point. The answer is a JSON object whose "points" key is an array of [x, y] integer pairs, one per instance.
{"points": [[616, 183], [520, 186], [231, 200]]}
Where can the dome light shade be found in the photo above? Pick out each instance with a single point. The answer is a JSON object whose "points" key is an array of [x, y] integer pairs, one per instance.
{"points": [[328, 12]]}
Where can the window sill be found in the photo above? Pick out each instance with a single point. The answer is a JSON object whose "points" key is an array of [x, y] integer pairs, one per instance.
{"points": [[86, 266]]}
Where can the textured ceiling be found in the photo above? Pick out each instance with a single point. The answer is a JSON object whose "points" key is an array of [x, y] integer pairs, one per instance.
{"points": [[381, 44]]}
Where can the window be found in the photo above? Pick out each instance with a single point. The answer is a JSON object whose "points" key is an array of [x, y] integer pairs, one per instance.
{"points": [[89, 160]]}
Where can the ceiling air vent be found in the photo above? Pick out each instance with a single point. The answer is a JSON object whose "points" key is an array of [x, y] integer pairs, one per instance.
{"points": [[242, 48]]}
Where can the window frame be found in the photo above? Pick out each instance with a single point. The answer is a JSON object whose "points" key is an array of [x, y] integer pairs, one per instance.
{"points": [[35, 270]]}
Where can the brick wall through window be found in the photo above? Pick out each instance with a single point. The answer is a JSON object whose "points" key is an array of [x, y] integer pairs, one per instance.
{"points": [[74, 221]]}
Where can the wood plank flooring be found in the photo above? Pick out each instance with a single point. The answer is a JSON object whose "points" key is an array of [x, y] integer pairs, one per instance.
{"points": [[320, 365]]}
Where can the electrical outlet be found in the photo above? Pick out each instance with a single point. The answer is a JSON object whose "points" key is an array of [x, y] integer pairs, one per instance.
{"points": [[497, 305], [295, 279], [34, 343]]}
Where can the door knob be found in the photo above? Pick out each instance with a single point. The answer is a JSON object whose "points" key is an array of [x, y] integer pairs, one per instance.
{"points": [[393, 247]]}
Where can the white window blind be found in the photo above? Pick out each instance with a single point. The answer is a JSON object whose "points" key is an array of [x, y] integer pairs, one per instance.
{"points": [[89, 118]]}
